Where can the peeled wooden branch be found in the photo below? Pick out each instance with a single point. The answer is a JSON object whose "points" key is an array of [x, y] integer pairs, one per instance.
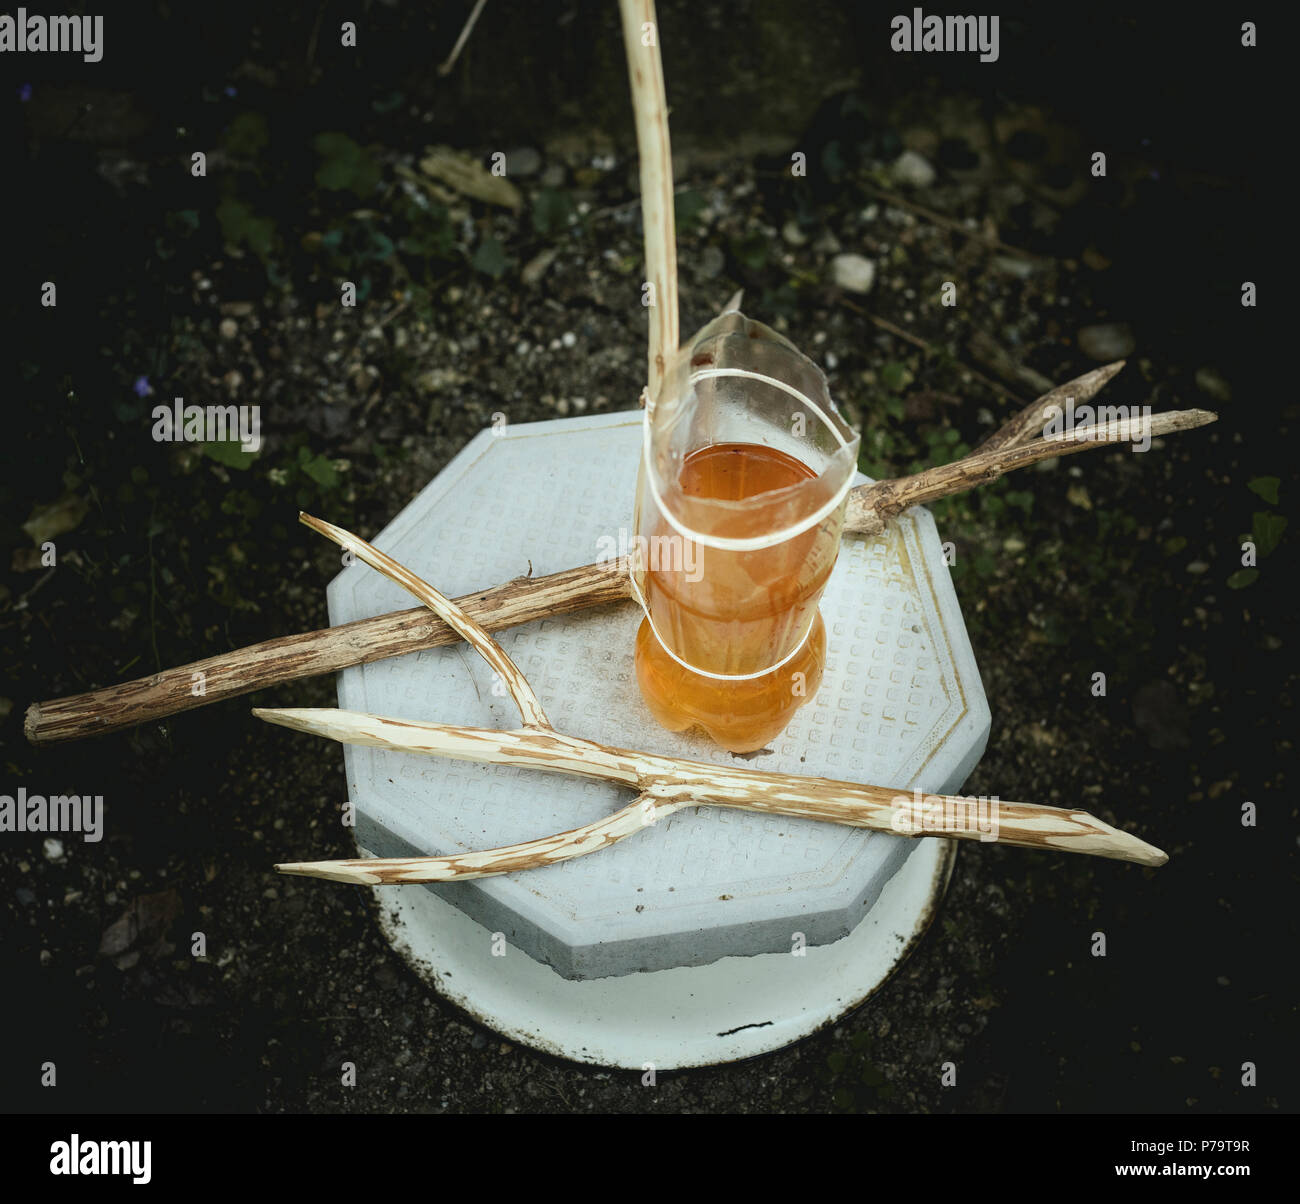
{"points": [[650, 111], [451, 614], [663, 784], [524, 600]]}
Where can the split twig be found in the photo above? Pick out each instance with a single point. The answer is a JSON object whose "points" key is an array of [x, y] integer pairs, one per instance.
{"points": [[447, 611], [664, 785]]}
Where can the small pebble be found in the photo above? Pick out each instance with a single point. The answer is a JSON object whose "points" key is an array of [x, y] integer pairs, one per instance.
{"points": [[523, 161], [827, 244], [711, 262], [53, 849], [912, 169], [229, 328], [1106, 342], [853, 273], [569, 339], [1213, 385]]}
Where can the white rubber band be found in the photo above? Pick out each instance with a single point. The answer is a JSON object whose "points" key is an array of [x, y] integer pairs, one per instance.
{"points": [[803, 639], [736, 545], [754, 542]]}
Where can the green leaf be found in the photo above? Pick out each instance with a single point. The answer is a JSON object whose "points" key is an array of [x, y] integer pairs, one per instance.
{"points": [[381, 246], [688, 206], [1265, 487], [246, 137], [1242, 578], [230, 453], [490, 258], [345, 164], [1266, 528], [1175, 545], [833, 161], [751, 250], [319, 469], [870, 1076], [895, 376], [1022, 498], [240, 226], [551, 211]]}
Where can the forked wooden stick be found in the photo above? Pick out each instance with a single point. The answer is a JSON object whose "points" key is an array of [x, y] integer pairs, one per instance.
{"points": [[664, 785], [526, 599]]}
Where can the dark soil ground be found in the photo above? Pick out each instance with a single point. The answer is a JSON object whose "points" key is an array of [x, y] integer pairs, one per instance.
{"points": [[227, 288]]}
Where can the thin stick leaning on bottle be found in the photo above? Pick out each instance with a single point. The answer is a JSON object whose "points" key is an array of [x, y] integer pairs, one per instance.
{"points": [[663, 785], [523, 600]]}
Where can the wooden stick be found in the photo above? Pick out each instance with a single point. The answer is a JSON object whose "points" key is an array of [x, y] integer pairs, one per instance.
{"points": [[869, 509], [663, 784], [450, 61], [524, 600], [497, 658], [1029, 423], [314, 653], [650, 109]]}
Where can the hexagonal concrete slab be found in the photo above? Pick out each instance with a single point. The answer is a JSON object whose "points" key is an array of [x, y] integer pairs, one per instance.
{"points": [[901, 705]]}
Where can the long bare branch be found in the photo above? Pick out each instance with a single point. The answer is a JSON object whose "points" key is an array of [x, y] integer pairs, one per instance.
{"points": [[870, 507], [669, 783], [523, 600]]}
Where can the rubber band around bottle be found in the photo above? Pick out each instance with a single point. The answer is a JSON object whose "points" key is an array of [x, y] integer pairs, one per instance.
{"points": [[739, 545], [789, 656], [753, 543]]}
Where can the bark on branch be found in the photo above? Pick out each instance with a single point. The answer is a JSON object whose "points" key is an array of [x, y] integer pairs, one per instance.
{"points": [[663, 785], [523, 600]]}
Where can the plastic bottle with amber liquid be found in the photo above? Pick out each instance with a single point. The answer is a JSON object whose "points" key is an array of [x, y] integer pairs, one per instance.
{"points": [[745, 469]]}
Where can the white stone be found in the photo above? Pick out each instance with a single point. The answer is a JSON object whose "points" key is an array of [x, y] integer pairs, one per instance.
{"points": [[853, 273], [913, 170]]}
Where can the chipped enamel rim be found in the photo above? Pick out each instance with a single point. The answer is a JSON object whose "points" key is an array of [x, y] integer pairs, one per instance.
{"points": [[730, 1009]]}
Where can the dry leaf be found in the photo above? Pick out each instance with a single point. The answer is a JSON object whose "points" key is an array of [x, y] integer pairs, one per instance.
{"points": [[48, 521], [469, 177]]}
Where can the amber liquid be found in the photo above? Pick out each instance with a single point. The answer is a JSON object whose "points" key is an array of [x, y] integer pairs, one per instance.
{"points": [[732, 612]]}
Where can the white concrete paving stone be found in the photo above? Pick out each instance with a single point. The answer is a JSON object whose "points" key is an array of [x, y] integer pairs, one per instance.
{"points": [[900, 705]]}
